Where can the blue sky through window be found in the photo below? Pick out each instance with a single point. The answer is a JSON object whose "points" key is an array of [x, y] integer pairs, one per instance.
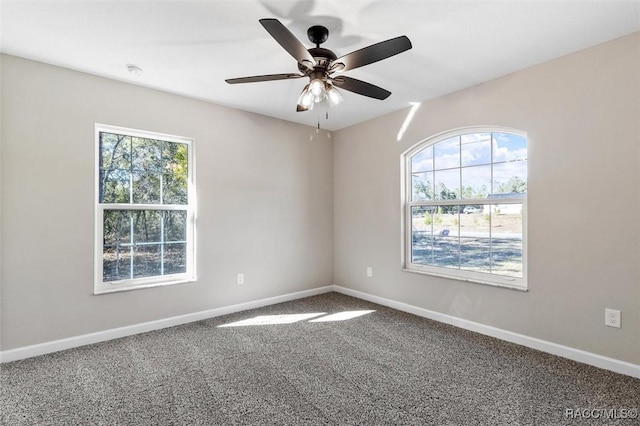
{"points": [[485, 162]]}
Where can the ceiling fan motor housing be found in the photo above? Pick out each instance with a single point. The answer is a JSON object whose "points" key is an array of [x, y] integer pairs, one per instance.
{"points": [[323, 59]]}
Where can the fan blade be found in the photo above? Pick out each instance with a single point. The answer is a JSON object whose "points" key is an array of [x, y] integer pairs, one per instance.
{"points": [[258, 78], [370, 54], [287, 40], [361, 87]]}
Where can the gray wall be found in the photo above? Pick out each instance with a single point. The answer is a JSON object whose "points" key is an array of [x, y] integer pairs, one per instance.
{"points": [[582, 116], [264, 203], [277, 201]]}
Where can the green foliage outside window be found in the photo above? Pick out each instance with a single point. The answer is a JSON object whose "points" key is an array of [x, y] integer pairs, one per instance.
{"points": [[143, 242]]}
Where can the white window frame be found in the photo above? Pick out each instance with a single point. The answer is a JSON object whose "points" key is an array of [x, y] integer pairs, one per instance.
{"points": [[515, 283], [100, 286]]}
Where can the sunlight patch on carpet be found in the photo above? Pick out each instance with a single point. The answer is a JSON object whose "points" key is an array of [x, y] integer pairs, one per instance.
{"points": [[293, 318], [342, 316], [273, 319]]}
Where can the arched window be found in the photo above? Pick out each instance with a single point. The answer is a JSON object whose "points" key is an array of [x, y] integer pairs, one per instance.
{"points": [[465, 202]]}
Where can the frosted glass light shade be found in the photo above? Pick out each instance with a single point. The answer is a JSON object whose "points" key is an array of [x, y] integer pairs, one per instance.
{"points": [[333, 96], [306, 99]]}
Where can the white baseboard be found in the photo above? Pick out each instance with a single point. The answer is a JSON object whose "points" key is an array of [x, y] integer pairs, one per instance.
{"points": [[115, 333], [579, 355], [585, 357]]}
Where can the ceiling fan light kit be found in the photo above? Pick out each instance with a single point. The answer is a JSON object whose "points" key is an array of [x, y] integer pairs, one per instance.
{"points": [[316, 92], [319, 65]]}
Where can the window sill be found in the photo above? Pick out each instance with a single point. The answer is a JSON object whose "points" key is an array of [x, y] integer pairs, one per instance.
{"points": [[107, 288], [468, 279]]}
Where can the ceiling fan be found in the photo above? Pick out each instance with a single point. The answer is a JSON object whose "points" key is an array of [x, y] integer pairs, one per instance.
{"points": [[320, 65]]}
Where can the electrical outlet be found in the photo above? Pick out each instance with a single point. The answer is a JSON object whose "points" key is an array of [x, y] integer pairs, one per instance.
{"points": [[240, 279], [612, 318], [369, 271]]}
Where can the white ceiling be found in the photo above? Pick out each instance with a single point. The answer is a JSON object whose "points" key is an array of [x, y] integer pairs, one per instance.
{"points": [[191, 47]]}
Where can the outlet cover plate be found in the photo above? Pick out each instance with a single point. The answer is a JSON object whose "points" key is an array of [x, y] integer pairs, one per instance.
{"points": [[612, 318]]}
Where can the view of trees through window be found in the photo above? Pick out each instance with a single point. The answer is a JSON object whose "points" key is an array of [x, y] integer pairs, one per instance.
{"points": [[143, 191], [466, 203]]}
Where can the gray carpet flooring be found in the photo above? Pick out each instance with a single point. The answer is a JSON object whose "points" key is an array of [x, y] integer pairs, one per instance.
{"points": [[383, 368]]}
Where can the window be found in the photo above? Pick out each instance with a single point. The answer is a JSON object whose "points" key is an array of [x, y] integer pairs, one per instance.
{"points": [[465, 203], [145, 209]]}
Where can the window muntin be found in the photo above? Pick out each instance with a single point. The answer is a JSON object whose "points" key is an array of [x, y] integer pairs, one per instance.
{"points": [[466, 206], [144, 209]]}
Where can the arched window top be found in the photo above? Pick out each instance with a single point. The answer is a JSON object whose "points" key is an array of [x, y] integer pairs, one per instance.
{"points": [[469, 163], [465, 202]]}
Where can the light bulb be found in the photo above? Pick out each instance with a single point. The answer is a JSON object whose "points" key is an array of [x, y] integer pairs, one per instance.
{"points": [[333, 96], [317, 89]]}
